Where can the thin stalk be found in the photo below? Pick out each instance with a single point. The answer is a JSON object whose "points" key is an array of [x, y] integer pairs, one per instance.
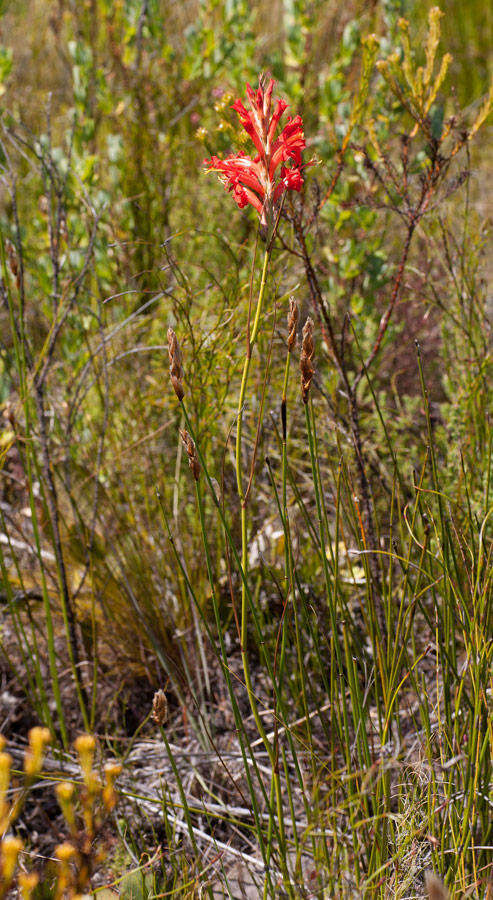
{"points": [[324, 538], [183, 797], [288, 584], [251, 339], [227, 674]]}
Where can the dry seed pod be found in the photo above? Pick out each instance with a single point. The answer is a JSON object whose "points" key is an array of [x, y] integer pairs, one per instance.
{"points": [[293, 317], [12, 258], [159, 708], [193, 459], [175, 368], [13, 262], [306, 365]]}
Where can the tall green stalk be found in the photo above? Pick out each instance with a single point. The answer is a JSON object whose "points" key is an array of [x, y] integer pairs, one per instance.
{"points": [[251, 340], [243, 496]]}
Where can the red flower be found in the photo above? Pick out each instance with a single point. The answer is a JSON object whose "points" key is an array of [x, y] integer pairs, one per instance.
{"points": [[257, 180]]}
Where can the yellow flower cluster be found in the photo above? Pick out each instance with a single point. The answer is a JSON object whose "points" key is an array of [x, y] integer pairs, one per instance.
{"points": [[85, 809], [10, 845]]}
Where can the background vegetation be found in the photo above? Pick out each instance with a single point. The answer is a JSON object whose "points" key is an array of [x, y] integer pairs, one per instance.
{"points": [[369, 573]]}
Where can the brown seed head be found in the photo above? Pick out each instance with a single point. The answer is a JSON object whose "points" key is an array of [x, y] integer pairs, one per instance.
{"points": [[306, 365], [160, 708], [435, 888], [12, 258], [293, 317], [175, 368], [193, 459]]}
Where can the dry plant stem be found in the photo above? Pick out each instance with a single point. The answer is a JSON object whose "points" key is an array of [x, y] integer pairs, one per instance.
{"points": [[384, 322], [326, 326], [322, 313]]}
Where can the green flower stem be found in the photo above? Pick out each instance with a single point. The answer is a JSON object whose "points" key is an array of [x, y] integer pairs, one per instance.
{"points": [[243, 567], [224, 660], [276, 784], [244, 535], [246, 592]]}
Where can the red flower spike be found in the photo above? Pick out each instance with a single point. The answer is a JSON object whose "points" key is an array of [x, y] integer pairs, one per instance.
{"points": [[249, 124], [281, 106], [291, 181], [289, 144], [257, 181]]}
